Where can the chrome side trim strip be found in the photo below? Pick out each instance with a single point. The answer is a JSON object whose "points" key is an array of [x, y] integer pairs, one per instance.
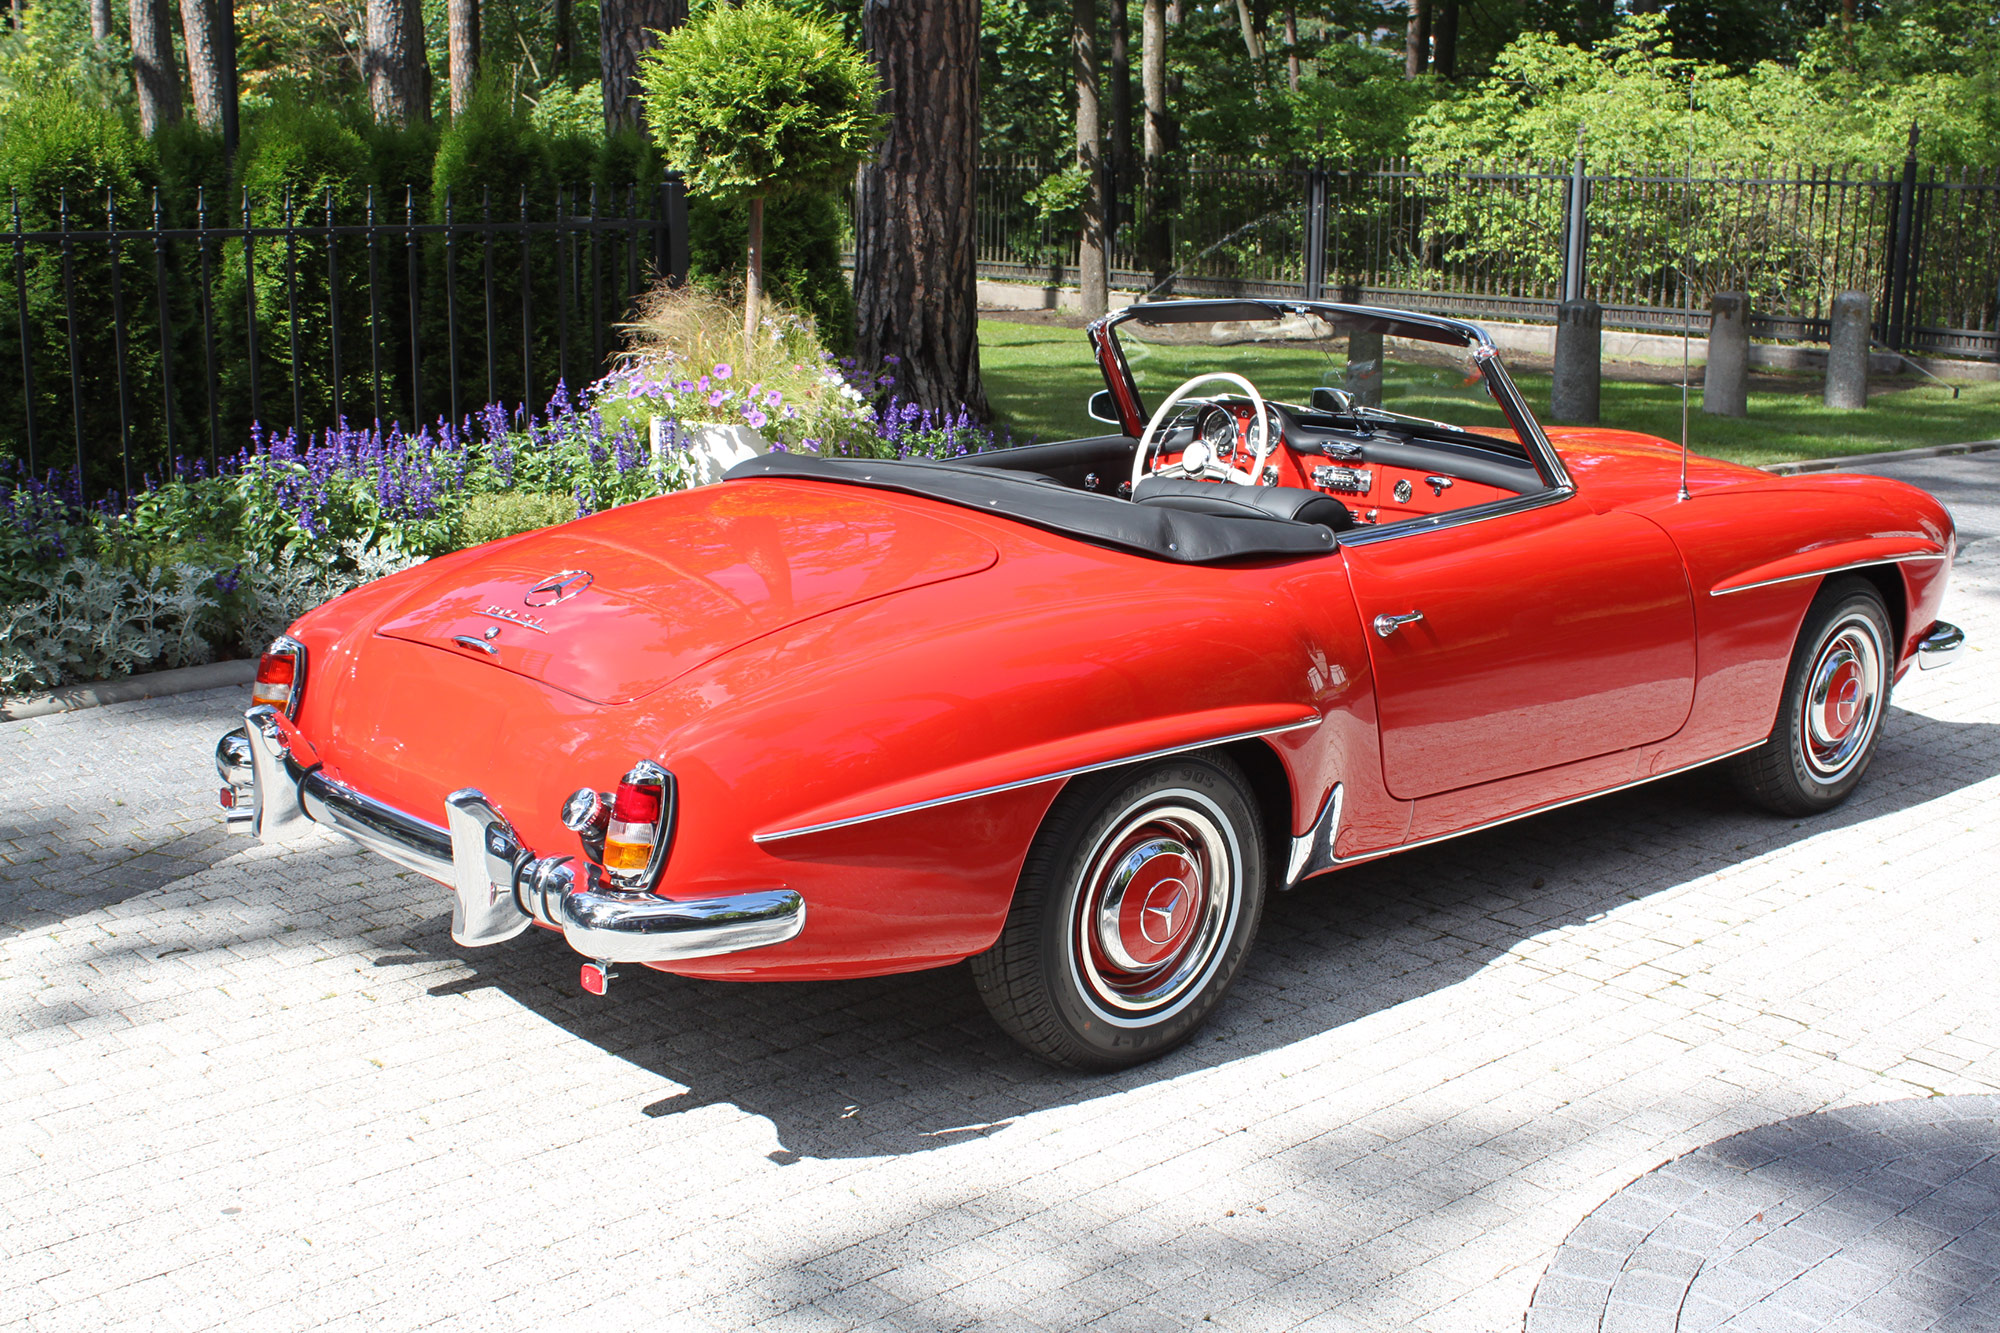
{"points": [[1941, 646], [1832, 569], [1545, 809], [780, 835]]}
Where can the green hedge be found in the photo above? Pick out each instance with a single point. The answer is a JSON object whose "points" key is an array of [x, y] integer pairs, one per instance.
{"points": [[297, 156]]}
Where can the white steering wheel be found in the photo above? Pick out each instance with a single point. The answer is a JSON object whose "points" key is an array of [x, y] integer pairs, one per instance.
{"points": [[1149, 438]]}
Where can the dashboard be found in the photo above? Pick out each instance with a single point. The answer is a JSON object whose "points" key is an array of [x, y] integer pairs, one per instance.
{"points": [[1383, 470]]}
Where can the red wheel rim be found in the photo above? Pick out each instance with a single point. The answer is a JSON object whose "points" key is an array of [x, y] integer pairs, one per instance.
{"points": [[1158, 895]]}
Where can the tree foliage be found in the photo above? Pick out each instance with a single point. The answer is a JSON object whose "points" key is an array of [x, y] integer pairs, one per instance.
{"points": [[760, 101]]}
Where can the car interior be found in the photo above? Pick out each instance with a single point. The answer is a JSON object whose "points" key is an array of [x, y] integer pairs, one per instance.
{"points": [[1249, 472]]}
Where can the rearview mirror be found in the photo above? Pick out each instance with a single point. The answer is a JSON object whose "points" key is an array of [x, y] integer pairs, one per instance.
{"points": [[1329, 399], [1103, 409]]}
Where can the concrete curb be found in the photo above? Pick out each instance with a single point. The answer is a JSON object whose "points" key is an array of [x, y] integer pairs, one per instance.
{"points": [[153, 685], [1890, 456]]}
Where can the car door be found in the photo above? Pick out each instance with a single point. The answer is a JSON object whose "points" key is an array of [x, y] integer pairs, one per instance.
{"points": [[1529, 638]]}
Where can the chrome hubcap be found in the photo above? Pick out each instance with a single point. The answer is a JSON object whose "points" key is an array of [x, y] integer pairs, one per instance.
{"points": [[1843, 693], [1160, 892]]}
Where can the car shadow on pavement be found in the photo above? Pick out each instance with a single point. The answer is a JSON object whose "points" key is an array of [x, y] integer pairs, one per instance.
{"points": [[903, 1064]]}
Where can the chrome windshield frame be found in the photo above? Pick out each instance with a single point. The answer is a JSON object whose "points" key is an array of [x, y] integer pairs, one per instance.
{"points": [[1124, 386]]}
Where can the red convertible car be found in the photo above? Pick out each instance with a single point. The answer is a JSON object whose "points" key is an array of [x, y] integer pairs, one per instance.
{"points": [[1072, 710]]}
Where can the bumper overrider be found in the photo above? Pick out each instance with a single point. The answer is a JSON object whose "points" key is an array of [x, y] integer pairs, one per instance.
{"points": [[1940, 646], [499, 886]]}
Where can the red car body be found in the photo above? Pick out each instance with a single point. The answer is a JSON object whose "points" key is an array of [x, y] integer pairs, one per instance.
{"points": [[872, 698]]}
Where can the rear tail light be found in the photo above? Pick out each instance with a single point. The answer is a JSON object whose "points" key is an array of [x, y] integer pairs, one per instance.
{"points": [[281, 676], [639, 826]]}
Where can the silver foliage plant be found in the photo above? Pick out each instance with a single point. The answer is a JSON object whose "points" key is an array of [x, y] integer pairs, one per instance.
{"points": [[93, 621]]}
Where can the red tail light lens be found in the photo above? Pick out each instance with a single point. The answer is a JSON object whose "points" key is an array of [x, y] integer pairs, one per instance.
{"points": [[635, 838], [281, 676]]}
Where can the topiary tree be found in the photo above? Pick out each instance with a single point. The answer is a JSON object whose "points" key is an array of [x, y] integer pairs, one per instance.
{"points": [[760, 101]]}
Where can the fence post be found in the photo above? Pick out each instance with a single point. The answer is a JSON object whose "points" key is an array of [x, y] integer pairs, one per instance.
{"points": [[1847, 352], [1902, 252], [1576, 387], [1725, 390], [1576, 232], [1315, 256]]}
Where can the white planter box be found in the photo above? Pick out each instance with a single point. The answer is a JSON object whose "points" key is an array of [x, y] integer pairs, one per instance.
{"points": [[713, 449]]}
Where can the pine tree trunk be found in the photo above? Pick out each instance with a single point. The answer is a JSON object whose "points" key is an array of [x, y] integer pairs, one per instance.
{"points": [[1250, 40], [156, 77], [1417, 40], [559, 46], [394, 64], [209, 29], [1093, 286], [1292, 47], [624, 31], [1118, 204], [100, 21], [1444, 38], [462, 26], [1156, 138], [916, 290]]}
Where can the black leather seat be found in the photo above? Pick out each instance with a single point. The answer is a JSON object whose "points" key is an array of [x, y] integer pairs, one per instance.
{"points": [[1230, 500]]}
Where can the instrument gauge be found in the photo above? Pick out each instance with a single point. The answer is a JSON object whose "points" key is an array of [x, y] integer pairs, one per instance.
{"points": [[1218, 431]]}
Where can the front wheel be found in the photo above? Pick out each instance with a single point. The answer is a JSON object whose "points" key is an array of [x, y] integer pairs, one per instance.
{"points": [[1836, 692], [1135, 910]]}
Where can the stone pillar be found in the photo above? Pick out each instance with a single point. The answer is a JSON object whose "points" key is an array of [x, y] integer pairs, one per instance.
{"points": [[1847, 352], [1573, 397], [1364, 368], [1725, 390]]}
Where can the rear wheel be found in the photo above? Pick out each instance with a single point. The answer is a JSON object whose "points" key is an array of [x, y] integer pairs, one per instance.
{"points": [[1134, 913], [1831, 715]]}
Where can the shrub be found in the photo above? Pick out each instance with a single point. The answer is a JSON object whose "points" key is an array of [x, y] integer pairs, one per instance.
{"points": [[88, 621], [489, 517]]}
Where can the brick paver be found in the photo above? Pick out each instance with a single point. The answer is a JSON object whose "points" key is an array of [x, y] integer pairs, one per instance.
{"points": [[250, 1088], [1868, 1219]]}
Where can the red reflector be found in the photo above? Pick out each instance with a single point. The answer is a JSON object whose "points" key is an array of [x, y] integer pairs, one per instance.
{"points": [[636, 804], [227, 797], [596, 978]]}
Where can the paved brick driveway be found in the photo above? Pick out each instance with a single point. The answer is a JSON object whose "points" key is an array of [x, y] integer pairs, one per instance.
{"points": [[256, 1089]]}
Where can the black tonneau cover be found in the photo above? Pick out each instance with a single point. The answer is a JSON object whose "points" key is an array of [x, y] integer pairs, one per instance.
{"points": [[1156, 531]]}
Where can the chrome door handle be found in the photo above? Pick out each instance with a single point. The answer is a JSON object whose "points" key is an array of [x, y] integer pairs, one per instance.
{"points": [[1385, 625]]}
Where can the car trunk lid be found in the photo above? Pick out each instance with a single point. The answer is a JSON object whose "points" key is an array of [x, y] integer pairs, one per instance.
{"points": [[612, 607]]}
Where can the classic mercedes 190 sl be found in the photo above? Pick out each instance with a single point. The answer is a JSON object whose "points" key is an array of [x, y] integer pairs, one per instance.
{"points": [[1070, 711]]}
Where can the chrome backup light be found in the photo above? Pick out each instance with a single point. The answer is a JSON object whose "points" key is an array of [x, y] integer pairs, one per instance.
{"points": [[281, 676], [625, 833]]}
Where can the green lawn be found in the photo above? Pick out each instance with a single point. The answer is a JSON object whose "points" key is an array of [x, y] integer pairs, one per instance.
{"points": [[1038, 378]]}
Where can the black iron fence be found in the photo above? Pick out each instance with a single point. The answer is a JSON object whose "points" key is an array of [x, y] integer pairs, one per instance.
{"points": [[1497, 242], [147, 345]]}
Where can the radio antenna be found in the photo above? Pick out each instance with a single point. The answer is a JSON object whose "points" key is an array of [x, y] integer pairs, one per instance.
{"points": [[1687, 287]]}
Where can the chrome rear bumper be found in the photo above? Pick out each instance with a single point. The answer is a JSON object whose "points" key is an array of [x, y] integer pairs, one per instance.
{"points": [[1941, 646], [499, 887]]}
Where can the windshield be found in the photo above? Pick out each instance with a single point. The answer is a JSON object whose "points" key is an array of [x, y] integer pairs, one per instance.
{"points": [[1434, 378]]}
